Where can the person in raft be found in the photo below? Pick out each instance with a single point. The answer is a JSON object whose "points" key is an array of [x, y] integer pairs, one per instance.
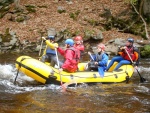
{"points": [[71, 57], [124, 53], [99, 61], [49, 52], [79, 44]]}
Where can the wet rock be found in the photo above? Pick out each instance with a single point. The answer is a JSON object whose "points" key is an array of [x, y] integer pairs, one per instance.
{"points": [[51, 31], [14, 40], [119, 42], [20, 18], [88, 34], [61, 9], [111, 48], [8, 40], [99, 36], [112, 45]]}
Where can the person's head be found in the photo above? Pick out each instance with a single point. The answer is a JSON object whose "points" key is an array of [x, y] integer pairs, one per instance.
{"points": [[100, 47], [69, 43], [129, 42], [78, 40], [51, 38]]}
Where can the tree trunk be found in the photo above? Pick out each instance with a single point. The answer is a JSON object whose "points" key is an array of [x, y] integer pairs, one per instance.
{"points": [[140, 8], [146, 7]]}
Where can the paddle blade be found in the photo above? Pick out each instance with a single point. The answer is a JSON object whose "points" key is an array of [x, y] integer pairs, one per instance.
{"points": [[142, 79]]}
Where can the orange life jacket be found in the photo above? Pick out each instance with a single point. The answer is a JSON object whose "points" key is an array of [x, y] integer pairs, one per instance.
{"points": [[131, 53]]}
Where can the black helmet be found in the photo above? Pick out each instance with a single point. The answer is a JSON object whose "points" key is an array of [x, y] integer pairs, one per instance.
{"points": [[131, 40], [51, 37]]}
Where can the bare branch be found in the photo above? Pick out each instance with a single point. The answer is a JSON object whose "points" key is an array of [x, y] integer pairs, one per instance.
{"points": [[147, 35]]}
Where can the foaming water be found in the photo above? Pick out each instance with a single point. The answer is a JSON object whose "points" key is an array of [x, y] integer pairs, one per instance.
{"points": [[23, 84]]}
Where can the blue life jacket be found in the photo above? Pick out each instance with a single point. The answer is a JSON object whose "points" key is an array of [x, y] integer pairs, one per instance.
{"points": [[50, 51]]}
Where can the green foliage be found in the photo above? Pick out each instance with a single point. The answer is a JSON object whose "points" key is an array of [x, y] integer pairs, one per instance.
{"points": [[131, 1], [75, 15], [31, 8], [75, 33], [146, 51], [93, 22], [42, 6]]}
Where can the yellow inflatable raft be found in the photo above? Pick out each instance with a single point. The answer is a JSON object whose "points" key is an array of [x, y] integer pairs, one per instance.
{"points": [[46, 74]]}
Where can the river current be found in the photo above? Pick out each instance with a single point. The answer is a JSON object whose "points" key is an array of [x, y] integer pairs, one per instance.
{"points": [[28, 96]]}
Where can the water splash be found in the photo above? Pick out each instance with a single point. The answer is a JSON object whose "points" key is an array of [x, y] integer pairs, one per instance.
{"points": [[142, 89], [24, 83], [6, 71]]}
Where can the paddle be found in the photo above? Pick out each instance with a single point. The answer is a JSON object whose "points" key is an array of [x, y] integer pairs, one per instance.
{"points": [[19, 66], [17, 75], [41, 46], [100, 70], [59, 71], [141, 78]]}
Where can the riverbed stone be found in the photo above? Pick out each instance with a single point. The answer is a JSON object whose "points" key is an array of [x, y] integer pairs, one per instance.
{"points": [[99, 36], [51, 31]]}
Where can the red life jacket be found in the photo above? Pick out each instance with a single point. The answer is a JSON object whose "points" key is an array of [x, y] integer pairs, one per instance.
{"points": [[76, 53], [131, 53]]}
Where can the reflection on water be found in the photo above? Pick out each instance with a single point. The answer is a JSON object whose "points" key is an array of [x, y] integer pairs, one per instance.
{"points": [[28, 96]]}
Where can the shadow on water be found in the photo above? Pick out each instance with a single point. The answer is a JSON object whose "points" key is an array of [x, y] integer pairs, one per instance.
{"points": [[30, 96]]}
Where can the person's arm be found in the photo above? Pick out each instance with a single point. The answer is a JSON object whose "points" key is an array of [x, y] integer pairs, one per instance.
{"points": [[51, 45], [61, 51]]}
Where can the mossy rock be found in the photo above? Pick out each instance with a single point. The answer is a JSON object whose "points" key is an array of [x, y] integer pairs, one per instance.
{"points": [[88, 34], [7, 36], [30, 8], [145, 53], [20, 19], [61, 11]]}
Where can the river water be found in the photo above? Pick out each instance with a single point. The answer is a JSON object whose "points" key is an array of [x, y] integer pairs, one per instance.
{"points": [[28, 96]]}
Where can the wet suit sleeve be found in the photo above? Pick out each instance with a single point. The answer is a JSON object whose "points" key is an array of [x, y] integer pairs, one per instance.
{"points": [[61, 51], [51, 45], [104, 60]]}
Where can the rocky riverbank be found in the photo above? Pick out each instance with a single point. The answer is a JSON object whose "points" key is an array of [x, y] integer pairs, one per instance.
{"points": [[24, 22]]}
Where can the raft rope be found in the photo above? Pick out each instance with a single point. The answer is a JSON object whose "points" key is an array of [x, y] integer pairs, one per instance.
{"points": [[84, 77], [30, 69]]}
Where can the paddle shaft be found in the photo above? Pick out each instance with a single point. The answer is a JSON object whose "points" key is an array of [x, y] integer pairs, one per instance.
{"points": [[91, 56], [141, 78], [58, 65], [16, 75], [40, 48]]}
